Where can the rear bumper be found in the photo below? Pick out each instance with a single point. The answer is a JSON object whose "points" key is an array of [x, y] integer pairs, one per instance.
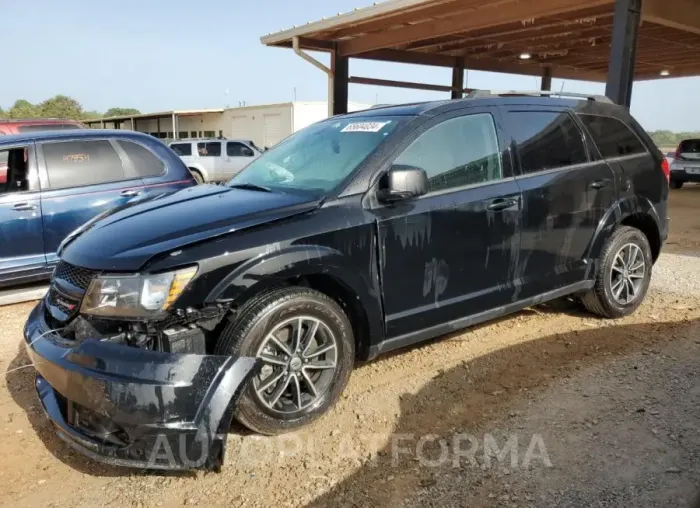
{"points": [[131, 407], [682, 175]]}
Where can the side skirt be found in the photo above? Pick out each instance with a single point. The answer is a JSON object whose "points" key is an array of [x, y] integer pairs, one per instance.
{"points": [[451, 326]]}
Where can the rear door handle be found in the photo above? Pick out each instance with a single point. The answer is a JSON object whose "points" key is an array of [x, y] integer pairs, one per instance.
{"points": [[501, 204], [23, 207], [599, 184], [130, 193]]}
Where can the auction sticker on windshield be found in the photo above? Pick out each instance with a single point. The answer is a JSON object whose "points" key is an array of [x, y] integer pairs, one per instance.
{"points": [[364, 126]]}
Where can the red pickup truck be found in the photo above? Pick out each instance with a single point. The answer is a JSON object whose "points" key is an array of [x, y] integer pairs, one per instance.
{"points": [[35, 124]]}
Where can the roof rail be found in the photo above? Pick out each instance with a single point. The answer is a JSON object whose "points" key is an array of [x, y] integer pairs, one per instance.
{"points": [[537, 93]]}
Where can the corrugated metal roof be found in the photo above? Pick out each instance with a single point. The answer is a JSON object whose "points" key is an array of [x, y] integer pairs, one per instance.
{"points": [[341, 19]]}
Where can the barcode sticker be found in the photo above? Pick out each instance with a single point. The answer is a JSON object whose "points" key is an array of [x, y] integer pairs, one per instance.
{"points": [[364, 127]]}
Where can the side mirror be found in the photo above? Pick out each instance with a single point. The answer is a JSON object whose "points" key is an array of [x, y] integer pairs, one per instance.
{"points": [[402, 182]]}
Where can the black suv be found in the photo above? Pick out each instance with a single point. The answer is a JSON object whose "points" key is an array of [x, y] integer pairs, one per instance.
{"points": [[355, 236]]}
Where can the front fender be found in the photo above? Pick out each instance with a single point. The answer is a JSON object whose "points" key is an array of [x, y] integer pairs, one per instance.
{"points": [[280, 264], [617, 213]]}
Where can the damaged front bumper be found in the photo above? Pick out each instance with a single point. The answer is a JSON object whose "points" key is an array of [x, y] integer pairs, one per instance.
{"points": [[132, 407]]}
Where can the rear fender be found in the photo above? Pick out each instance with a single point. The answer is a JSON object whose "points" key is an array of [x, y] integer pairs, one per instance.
{"points": [[616, 214]]}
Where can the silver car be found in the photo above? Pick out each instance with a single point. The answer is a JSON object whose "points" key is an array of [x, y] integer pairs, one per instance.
{"points": [[215, 159], [686, 164]]}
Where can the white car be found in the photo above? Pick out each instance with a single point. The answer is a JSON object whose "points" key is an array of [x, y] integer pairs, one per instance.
{"points": [[215, 159], [686, 163]]}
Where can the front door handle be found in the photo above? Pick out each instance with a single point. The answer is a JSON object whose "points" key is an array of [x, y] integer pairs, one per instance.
{"points": [[130, 193], [23, 207], [501, 204], [599, 184]]}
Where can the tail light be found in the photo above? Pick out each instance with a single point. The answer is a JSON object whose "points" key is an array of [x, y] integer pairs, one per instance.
{"points": [[666, 168]]}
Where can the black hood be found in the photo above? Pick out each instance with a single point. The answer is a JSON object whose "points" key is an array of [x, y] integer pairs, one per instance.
{"points": [[127, 237]]}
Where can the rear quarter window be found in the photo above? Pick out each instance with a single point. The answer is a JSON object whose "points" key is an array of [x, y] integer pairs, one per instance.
{"points": [[78, 163], [613, 137], [182, 149], [145, 163]]}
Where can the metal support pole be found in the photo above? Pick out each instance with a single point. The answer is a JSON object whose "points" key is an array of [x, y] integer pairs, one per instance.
{"points": [[341, 74], [133, 124], [102, 124], [316, 63], [623, 51], [546, 79], [174, 126], [158, 126], [458, 80]]}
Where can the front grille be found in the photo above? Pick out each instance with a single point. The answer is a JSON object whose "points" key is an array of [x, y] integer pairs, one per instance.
{"points": [[75, 275]]}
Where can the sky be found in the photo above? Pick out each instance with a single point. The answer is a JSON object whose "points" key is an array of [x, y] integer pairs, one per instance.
{"points": [[158, 55]]}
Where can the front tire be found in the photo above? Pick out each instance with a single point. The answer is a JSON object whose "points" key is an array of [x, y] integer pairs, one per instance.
{"points": [[624, 274], [197, 176], [305, 344]]}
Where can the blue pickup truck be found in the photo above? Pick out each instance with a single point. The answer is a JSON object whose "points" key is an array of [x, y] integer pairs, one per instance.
{"points": [[58, 180]]}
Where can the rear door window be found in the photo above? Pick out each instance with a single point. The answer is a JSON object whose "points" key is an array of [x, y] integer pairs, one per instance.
{"points": [[182, 149], [546, 140], [613, 137], [145, 163], [78, 163], [211, 149]]}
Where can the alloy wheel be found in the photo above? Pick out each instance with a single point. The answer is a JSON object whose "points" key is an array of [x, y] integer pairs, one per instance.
{"points": [[299, 357], [627, 274]]}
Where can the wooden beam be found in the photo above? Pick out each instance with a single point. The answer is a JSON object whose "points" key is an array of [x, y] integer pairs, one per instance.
{"points": [[681, 14], [478, 18], [409, 57], [405, 84]]}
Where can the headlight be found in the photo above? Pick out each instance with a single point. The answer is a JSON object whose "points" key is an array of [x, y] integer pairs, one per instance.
{"points": [[135, 295]]}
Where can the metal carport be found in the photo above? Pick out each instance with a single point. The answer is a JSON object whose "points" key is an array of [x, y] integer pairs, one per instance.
{"points": [[614, 41], [167, 118]]}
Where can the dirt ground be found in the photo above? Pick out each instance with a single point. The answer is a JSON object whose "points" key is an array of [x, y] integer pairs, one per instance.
{"points": [[548, 407]]}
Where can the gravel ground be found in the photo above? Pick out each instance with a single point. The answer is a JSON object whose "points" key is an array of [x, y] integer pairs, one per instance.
{"points": [[623, 433], [611, 406]]}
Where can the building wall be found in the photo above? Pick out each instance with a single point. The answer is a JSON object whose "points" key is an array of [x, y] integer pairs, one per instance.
{"points": [[265, 125]]}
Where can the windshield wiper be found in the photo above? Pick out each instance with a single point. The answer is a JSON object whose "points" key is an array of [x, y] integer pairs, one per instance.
{"points": [[250, 186]]}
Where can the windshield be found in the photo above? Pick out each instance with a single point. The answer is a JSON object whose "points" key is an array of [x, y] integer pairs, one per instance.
{"points": [[320, 157]]}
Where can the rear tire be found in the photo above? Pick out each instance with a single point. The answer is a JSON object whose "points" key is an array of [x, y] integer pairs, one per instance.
{"points": [[675, 184], [298, 381], [623, 276], [197, 176]]}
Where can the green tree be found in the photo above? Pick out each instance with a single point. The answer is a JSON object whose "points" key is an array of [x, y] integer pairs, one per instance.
{"points": [[61, 106], [121, 112], [3, 113], [91, 115], [23, 109]]}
